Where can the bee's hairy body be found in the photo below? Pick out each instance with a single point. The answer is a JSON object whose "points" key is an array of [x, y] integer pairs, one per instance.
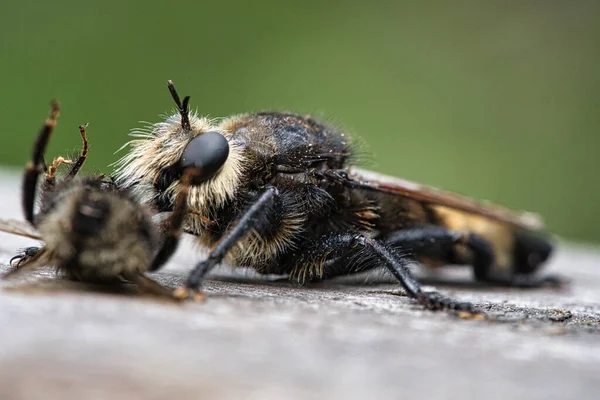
{"points": [[118, 240], [293, 154], [92, 231]]}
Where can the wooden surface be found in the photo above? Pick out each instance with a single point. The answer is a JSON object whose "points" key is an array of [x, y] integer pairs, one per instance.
{"points": [[259, 338]]}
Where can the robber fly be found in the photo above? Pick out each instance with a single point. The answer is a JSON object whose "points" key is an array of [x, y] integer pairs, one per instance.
{"points": [[277, 193], [92, 231]]}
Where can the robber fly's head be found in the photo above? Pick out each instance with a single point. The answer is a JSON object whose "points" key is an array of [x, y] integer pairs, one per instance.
{"points": [[208, 152], [153, 168]]}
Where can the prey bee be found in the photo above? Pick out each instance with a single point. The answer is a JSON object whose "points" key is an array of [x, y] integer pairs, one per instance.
{"points": [[277, 193], [92, 231]]}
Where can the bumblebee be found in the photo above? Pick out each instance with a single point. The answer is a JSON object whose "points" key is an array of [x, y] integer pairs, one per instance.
{"points": [[92, 231], [277, 192]]}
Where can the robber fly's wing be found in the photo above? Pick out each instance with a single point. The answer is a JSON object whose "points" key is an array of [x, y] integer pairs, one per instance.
{"points": [[431, 195], [21, 228]]}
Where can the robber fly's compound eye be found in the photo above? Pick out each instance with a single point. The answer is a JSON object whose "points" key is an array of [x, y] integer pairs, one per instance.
{"points": [[207, 152]]}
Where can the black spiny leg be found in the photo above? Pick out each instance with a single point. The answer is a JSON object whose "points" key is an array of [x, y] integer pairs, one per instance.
{"points": [[356, 253], [35, 165], [493, 277], [438, 243], [244, 225], [522, 281]]}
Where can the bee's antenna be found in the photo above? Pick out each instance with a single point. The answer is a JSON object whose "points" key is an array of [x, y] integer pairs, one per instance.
{"points": [[183, 107]]}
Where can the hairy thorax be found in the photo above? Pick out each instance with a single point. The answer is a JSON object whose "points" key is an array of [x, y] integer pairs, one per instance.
{"points": [[264, 149]]}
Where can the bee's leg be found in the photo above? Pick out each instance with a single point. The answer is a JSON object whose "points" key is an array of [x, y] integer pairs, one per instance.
{"points": [[25, 256], [82, 156], [30, 258], [365, 253], [50, 176], [35, 165], [251, 218], [149, 285]]}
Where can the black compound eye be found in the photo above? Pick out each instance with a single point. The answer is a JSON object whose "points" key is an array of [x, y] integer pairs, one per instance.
{"points": [[207, 152]]}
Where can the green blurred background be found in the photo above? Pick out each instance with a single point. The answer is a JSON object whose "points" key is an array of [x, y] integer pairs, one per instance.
{"points": [[497, 100]]}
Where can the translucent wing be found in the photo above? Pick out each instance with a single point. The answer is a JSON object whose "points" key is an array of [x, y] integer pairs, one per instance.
{"points": [[430, 195], [21, 228]]}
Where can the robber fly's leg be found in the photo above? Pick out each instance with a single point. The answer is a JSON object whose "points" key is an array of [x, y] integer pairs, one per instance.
{"points": [[171, 227], [365, 253], [251, 218], [523, 281], [439, 243], [82, 156], [35, 165]]}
